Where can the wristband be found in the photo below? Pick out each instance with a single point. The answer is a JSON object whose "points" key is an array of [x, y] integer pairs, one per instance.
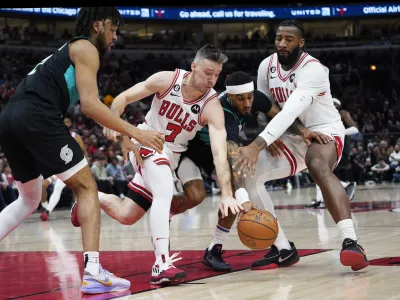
{"points": [[242, 196]]}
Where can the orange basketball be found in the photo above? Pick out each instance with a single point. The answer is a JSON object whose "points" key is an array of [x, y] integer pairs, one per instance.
{"points": [[257, 229]]}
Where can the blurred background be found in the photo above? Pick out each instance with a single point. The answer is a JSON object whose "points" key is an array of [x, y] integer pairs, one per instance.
{"points": [[359, 43]]}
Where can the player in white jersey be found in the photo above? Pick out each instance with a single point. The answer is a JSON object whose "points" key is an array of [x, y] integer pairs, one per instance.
{"points": [[59, 185], [300, 85], [184, 102]]}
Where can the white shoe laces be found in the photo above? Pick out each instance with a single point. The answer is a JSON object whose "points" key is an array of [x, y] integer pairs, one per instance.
{"points": [[172, 259]]}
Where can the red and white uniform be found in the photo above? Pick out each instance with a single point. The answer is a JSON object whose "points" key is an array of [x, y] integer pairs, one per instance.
{"points": [[178, 118], [309, 77], [302, 92]]}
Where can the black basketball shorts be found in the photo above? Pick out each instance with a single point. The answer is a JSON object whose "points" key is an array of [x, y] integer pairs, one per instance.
{"points": [[36, 141]]}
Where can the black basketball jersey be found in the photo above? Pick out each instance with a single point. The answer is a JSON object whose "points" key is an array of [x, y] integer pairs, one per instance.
{"points": [[52, 80]]}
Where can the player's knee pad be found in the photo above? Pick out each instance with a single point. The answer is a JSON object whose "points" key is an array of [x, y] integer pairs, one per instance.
{"points": [[30, 192]]}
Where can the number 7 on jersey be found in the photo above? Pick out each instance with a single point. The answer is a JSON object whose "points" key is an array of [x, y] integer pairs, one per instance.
{"points": [[176, 129]]}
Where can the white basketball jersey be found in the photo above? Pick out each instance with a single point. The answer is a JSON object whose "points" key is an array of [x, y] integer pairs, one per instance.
{"points": [[177, 117], [280, 84]]}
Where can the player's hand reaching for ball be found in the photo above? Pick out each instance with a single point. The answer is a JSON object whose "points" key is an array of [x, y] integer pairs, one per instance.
{"points": [[248, 205], [229, 203], [152, 139], [246, 160]]}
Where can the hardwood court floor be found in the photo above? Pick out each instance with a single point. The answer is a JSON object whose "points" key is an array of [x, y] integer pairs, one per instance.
{"points": [[42, 260]]}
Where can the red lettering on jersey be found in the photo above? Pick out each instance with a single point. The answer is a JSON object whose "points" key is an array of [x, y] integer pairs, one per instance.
{"points": [[164, 107], [191, 125], [172, 111], [184, 126], [177, 119], [279, 94], [272, 92]]}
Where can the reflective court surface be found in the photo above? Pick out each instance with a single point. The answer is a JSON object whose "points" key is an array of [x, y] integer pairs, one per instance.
{"points": [[43, 260]]}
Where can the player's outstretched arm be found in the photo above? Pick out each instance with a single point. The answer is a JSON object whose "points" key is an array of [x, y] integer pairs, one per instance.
{"points": [[312, 81], [157, 83], [213, 116], [86, 60]]}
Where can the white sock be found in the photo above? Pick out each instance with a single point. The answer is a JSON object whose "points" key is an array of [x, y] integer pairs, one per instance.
{"points": [[346, 229], [30, 194], [281, 241], [318, 195], [345, 184], [219, 236], [158, 179], [44, 204], [56, 195], [92, 264]]}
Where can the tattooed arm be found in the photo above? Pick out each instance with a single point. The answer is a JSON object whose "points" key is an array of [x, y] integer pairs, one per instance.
{"points": [[237, 180]]}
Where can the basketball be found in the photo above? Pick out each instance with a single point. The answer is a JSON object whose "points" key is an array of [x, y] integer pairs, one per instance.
{"points": [[257, 229]]}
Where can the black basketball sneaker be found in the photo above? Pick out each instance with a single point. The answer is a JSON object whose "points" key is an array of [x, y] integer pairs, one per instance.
{"points": [[353, 255], [213, 259], [277, 259]]}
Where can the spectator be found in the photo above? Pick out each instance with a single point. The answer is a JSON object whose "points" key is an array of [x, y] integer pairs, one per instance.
{"points": [[394, 157], [380, 170], [114, 170], [104, 182]]}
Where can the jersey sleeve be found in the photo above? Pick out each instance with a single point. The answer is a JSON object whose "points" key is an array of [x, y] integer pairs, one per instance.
{"points": [[231, 126], [261, 102]]}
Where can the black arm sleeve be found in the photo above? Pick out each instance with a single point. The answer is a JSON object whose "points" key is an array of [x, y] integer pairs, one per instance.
{"points": [[231, 127]]}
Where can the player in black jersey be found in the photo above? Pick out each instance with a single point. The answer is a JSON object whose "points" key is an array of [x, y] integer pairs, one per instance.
{"points": [[38, 144]]}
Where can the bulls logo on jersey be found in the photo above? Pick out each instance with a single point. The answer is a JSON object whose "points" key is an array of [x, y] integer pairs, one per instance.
{"points": [[195, 109], [291, 78]]}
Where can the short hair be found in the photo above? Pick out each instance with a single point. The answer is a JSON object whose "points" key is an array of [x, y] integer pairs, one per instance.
{"points": [[238, 78], [212, 53], [88, 15], [294, 23]]}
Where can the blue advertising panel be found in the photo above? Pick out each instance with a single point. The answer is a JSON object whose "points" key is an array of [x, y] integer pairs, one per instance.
{"points": [[242, 14]]}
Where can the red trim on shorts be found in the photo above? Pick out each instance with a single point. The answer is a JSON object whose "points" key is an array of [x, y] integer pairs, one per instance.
{"points": [[177, 71], [204, 105], [339, 148], [291, 158], [141, 191], [161, 161], [292, 70]]}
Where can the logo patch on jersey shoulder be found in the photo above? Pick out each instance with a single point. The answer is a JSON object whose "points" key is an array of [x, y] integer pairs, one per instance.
{"points": [[291, 78], [273, 69], [195, 109], [177, 87], [66, 154]]}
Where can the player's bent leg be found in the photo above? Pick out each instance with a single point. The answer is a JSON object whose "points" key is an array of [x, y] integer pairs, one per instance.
{"points": [[193, 186], [157, 177], [95, 279], [283, 253], [194, 194], [126, 211], [27, 202], [321, 160]]}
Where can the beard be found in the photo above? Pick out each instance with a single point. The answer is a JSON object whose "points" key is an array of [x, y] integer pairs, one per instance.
{"points": [[290, 58], [102, 46]]}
